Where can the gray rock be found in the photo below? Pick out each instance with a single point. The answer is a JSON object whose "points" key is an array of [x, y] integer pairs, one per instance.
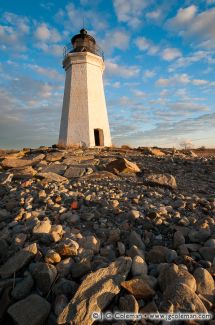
{"points": [[198, 236], [205, 283], [23, 172], [61, 302], [208, 253], [23, 288], [171, 274], [15, 163], [74, 172], [128, 304], [95, 292], [55, 156], [55, 168], [165, 180], [135, 251], [43, 227], [64, 267], [3, 248], [44, 275], [210, 243], [171, 256], [178, 239], [4, 214], [68, 247], [90, 242], [135, 239], [80, 269], [65, 287], [135, 214], [183, 299], [32, 310], [139, 266], [122, 165], [52, 177], [6, 178], [158, 254], [18, 261]]}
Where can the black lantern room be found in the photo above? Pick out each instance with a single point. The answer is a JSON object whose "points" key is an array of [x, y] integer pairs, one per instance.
{"points": [[83, 42]]}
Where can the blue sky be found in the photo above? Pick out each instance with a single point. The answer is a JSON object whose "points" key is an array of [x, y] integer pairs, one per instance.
{"points": [[159, 78]]}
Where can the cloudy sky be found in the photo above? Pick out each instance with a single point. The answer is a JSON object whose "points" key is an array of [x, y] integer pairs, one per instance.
{"points": [[159, 78]]}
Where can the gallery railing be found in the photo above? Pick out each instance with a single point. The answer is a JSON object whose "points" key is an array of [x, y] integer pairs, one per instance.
{"points": [[95, 50]]}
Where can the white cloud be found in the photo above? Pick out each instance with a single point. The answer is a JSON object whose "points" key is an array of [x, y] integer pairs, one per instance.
{"points": [[156, 14], [182, 79], [115, 39], [19, 22], [30, 112], [47, 72], [72, 18], [139, 93], [116, 84], [191, 25], [199, 82], [130, 12], [13, 31], [149, 74], [192, 58], [142, 43], [44, 33], [184, 16], [145, 44], [114, 68], [163, 82], [170, 54], [188, 106]]}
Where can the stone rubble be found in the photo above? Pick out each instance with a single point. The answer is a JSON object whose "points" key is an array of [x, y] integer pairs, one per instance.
{"points": [[105, 229]]}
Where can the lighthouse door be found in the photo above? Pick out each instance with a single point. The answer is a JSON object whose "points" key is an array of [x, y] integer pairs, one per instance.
{"points": [[99, 137]]}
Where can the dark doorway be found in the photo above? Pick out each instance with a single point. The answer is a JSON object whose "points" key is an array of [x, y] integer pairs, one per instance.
{"points": [[99, 137]]}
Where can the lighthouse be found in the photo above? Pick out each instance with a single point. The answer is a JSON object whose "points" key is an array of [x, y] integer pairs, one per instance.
{"points": [[84, 116]]}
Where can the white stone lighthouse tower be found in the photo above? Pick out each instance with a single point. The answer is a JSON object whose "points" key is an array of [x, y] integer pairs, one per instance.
{"points": [[84, 114]]}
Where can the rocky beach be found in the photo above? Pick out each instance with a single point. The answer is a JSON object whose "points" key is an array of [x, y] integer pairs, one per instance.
{"points": [[105, 229]]}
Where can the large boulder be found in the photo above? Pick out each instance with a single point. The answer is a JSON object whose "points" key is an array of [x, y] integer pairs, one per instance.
{"points": [[205, 283], [95, 293], [52, 177], [55, 156], [32, 310], [157, 254], [18, 261], [74, 172], [139, 288], [122, 165], [44, 274], [208, 253], [23, 172], [183, 299], [172, 274], [101, 175], [153, 151], [55, 168], [42, 227], [17, 163], [165, 180]]}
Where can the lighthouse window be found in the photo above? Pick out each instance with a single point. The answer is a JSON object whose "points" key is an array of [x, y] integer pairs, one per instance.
{"points": [[99, 137]]}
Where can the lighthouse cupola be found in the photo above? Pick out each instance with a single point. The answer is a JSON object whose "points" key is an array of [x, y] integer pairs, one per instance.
{"points": [[83, 42]]}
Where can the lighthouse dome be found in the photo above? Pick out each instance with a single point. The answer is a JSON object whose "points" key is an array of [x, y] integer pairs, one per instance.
{"points": [[83, 42]]}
